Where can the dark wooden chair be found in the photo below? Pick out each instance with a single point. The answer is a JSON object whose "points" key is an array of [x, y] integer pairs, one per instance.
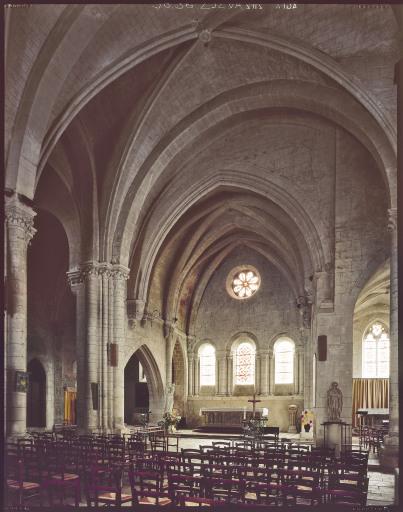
{"points": [[19, 489], [104, 487], [147, 487]]}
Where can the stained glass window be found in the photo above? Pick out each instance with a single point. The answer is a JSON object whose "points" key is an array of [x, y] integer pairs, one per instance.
{"points": [[375, 352], [284, 362], [245, 363], [245, 284], [207, 364]]}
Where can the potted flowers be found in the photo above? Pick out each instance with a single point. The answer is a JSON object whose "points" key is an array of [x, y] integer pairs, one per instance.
{"points": [[170, 421]]}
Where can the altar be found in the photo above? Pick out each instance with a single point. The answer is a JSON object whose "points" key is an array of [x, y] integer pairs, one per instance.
{"points": [[229, 417]]}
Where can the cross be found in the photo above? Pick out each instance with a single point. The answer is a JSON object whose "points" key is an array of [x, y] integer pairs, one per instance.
{"points": [[254, 402]]}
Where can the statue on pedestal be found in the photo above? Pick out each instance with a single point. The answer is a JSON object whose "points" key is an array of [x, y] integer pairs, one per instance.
{"points": [[169, 398], [334, 402]]}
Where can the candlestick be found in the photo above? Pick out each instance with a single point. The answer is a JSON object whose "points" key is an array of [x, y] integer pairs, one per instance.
{"points": [[244, 413]]}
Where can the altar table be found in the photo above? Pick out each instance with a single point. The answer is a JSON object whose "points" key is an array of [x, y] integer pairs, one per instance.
{"points": [[229, 417]]}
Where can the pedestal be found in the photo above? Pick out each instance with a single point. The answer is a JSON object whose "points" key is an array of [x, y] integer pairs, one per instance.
{"points": [[335, 435], [292, 412]]}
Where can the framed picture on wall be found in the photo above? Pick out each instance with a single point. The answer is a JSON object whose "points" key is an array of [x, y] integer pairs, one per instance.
{"points": [[21, 381]]}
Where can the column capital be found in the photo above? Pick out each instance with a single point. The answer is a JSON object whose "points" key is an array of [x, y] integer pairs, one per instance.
{"points": [[392, 220], [119, 272], [18, 214], [91, 269], [169, 328]]}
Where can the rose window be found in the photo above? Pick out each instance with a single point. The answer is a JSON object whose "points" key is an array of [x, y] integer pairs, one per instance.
{"points": [[245, 284]]}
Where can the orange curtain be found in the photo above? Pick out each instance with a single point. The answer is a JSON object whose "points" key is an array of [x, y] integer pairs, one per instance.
{"points": [[369, 394], [70, 407]]}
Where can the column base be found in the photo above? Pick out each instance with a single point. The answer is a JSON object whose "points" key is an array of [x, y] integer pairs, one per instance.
{"points": [[389, 452]]}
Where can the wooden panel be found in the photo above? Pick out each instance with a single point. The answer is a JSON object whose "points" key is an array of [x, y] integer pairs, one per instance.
{"points": [[322, 348]]}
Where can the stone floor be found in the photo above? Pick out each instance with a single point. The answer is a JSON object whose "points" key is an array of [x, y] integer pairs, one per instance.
{"points": [[381, 485]]}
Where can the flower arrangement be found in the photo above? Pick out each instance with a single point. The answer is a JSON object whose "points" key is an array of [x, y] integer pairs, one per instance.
{"points": [[170, 420]]}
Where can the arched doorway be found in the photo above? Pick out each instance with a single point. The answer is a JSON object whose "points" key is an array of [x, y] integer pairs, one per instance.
{"points": [[178, 378], [136, 391], [142, 369], [36, 398]]}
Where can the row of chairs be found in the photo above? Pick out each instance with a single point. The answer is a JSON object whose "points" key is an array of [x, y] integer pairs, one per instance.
{"points": [[372, 437], [65, 465]]}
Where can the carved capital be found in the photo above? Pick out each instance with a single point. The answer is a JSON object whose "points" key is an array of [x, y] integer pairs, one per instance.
{"points": [[304, 305], [169, 328], [119, 272], [20, 215], [75, 277], [392, 220]]}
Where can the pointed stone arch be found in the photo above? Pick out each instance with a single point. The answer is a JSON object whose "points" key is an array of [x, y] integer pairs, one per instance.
{"points": [[154, 381]]}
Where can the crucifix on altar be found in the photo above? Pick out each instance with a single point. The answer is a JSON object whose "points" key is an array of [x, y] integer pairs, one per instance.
{"points": [[254, 402]]}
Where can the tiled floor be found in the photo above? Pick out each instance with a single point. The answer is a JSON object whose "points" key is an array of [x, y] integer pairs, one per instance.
{"points": [[380, 490]]}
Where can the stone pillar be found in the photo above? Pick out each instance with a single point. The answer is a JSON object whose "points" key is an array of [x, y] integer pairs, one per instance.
{"points": [[191, 375], [169, 348], [301, 371], [197, 376], [389, 456], [221, 372], [230, 374], [258, 384], [296, 373], [264, 373], [84, 283], [19, 231], [104, 381], [271, 374], [119, 276], [292, 413]]}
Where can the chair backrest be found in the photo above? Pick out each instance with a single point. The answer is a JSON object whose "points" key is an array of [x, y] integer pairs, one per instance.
{"points": [[221, 444]]}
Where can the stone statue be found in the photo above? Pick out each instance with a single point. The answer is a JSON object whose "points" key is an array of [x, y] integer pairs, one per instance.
{"points": [[334, 402], [169, 398]]}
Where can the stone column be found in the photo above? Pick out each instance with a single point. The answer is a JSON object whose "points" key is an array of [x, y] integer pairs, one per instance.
{"points": [[119, 275], [264, 377], [84, 283], [258, 384], [271, 374], [300, 371], [169, 348], [104, 384], [221, 372], [191, 374], [389, 456], [19, 231], [197, 375], [230, 374], [296, 373]]}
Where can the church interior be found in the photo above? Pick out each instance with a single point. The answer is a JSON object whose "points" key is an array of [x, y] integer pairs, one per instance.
{"points": [[201, 252]]}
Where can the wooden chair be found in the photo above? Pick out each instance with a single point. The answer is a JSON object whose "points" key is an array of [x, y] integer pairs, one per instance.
{"points": [[17, 486], [104, 487], [58, 478], [147, 487], [300, 487]]}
